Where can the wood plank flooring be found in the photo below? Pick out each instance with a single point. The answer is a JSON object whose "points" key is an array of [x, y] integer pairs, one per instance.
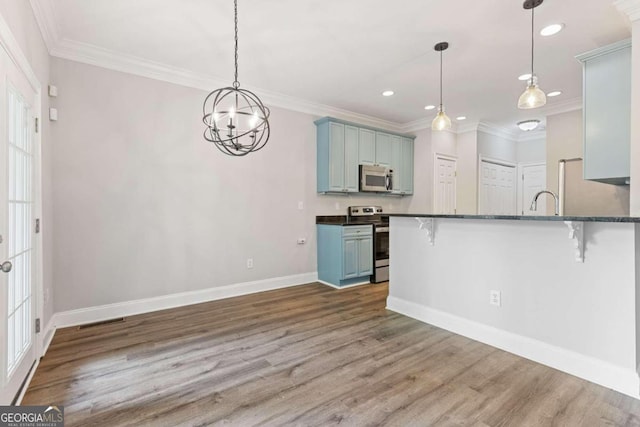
{"points": [[309, 356]]}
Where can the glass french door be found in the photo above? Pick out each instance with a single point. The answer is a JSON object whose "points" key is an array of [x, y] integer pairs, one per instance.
{"points": [[16, 228]]}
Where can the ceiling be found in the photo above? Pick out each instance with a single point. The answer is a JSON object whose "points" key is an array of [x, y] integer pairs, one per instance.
{"points": [[343, 54]]}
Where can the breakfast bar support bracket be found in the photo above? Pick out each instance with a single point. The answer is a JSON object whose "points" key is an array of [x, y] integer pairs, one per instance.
{"points": [[576, 232], [428, 225]]}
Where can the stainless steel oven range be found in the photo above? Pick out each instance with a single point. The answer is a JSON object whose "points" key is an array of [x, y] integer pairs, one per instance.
{"points": [[374, 215]]}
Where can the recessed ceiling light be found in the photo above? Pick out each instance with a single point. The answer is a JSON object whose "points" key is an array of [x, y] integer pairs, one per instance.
{"points": [[430, 107], [388, 93], [461, 118], [528, 125], [524, 77], [552, 29], [555, 93]]}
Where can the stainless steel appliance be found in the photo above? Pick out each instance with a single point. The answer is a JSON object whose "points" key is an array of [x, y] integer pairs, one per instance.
{"points": [[380, 222], [377, 179]]}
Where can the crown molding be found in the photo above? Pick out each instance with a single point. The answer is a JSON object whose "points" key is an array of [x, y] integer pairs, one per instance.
{"points": [[631, 8], [45, 14], [500, 132], [105, 58], [573, 104]]}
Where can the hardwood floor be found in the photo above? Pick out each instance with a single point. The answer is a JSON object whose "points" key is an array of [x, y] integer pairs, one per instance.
{"points": [[309, 355]]}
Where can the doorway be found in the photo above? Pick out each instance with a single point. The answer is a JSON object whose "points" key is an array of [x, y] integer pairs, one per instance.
{"points": [[20, 254], [533, 178], [497, 188], [444, 194]]}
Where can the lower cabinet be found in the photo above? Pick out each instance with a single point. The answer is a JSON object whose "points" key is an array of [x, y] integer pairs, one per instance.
{"points": [[345, 254]]}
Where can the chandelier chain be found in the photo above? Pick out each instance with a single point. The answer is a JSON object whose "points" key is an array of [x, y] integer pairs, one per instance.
{"points": [[236, 83]]}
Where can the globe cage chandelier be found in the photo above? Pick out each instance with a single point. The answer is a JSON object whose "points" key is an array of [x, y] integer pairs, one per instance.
{"points": [[237, 121]]}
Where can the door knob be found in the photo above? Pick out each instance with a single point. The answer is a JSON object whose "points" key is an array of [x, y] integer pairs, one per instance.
{"points": [[6, 266]]}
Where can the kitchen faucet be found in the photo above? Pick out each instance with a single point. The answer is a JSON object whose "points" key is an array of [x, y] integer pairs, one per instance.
{"points": [[534, 204]]}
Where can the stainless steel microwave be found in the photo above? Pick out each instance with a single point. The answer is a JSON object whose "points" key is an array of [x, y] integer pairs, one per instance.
{"points": [[377, 179]]}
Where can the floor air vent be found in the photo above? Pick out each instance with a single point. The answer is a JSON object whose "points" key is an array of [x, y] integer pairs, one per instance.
{"points": [[104, 322]]}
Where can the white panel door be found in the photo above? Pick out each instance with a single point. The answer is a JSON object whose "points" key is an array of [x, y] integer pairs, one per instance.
{"points": [[17, 305], [497, 189], [445, 186], [534, 179]]}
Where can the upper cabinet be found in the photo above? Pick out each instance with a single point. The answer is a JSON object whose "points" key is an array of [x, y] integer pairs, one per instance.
{"points": [[367, 147], [337, 158], [607, 113], [343, 146]]}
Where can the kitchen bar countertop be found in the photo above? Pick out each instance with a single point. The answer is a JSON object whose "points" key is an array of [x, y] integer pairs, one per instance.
{"points": [[525, 218], [339, 220]]}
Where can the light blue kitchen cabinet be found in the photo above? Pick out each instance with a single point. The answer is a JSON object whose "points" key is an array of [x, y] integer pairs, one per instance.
{"points": [[402, 165], [351, 172], [396, 164], [343, 146], [345, 254], [337, 154], [367, 147], [383, 149], [406, 166], [607, 113]]}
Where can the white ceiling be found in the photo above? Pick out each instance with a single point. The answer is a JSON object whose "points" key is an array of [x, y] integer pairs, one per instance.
{"points": [[342, 53]]}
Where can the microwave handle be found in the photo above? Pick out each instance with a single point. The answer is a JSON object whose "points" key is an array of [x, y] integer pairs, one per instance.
{"points": [[389, 180]]}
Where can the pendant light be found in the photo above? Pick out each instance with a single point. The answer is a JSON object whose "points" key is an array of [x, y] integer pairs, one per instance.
{"points": [[532, 97], [237, 121], [441, 122]]}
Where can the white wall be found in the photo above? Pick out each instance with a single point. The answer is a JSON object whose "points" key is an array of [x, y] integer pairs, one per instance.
{"points": [[532, 150], [19, 17], [146, 207], [422, 173], [495, 147]]}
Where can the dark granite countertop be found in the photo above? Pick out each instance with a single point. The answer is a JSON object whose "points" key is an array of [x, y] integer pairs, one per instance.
{"points": [[526, 218], [338, 220]]}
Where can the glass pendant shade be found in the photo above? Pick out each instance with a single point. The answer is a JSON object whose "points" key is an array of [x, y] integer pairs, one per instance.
{"points": [[533, 96], [442, 121]]}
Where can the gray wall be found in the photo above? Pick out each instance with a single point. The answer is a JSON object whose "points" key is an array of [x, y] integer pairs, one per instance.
{"points": [[145, 207]]}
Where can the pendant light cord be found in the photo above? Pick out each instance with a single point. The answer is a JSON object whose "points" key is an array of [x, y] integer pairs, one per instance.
{"points": [[441, 79], [236, 83], [532, 41]]}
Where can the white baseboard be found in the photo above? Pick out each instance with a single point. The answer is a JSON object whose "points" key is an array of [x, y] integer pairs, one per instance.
{"points": [[343, 287], [146, 305], [47, 335], [625, 381]]}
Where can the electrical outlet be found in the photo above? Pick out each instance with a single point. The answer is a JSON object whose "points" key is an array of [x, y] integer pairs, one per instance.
{"points": [[302, 240], [249, 262], [337, 206], [300, 205], [495, 298]]}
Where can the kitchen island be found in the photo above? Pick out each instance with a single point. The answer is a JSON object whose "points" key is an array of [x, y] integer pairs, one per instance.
{"points": [[562, 291]]}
